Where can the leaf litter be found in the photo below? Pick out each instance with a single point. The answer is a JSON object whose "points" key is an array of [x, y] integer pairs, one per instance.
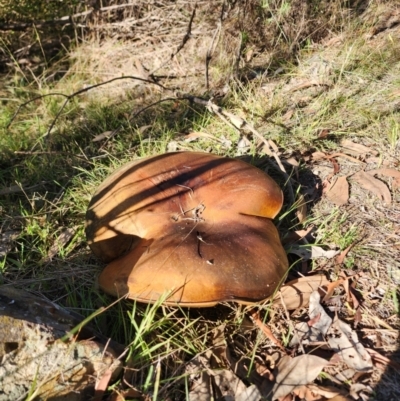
{"points": [[296, 372], [296, 293], [216, 372], [338, 191], [336, 188], [343, 340], [377, 187], [317, 327], [322, 332], [313, 252]]}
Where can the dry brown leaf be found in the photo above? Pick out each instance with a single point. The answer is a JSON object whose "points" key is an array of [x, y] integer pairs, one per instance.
{"points": [[200, 373], [301, 207], [312, 392], [322, 324], [379, 161], [323, 133], [370, 183], [338, 191], [296, 293], [103, 135], [360, 391], [292, 161], [331, 287], [141, 130], [340, 258], [383, 360], [265, 329], [296, 372], [288, 115], [288, 397], [274, 146], [314, 320], [122, 395], [357, 148], [343, 340], [243, 145], [252, 393], [328, 392], [263, 371], [339, 154], [336, 167], [205, 379], [304, 393], [229, 385], [312, 252], [315, 329], [318, 156], [192, 136], [294, 236], [62, 240], [388, 172], [101, 385]]}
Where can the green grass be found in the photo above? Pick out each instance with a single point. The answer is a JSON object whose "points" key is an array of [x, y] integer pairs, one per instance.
{"points": [[65, 168]]}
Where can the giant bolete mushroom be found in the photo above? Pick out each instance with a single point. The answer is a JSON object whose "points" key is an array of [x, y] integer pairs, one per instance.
{"points": [[193, 227]]}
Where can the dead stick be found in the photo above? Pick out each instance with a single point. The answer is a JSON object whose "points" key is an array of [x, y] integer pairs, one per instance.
{"points": [[292, 326], [79, 92], [211, 49], [239, 124], [187, 36]]}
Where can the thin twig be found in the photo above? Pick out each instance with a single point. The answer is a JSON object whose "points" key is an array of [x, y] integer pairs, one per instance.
{"points": [[238, 55], [187, 36], [240, 124], [211, 49], [292, 326], [20, 26], [79, 92], [30, 101], [32, 153]]}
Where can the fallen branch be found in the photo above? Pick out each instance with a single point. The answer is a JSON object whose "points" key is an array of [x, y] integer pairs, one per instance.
{"points": [[79, 92], [240, 124], [30, 101], [21, 26], [230, 119]]}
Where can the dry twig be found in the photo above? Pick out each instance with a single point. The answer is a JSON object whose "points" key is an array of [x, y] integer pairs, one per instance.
{"points": [[240, 124], [214, 41], [79, 92], [187, 36]]}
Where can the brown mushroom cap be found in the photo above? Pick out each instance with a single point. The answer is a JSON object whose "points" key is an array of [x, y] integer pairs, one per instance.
{"points": [[191, 226]]}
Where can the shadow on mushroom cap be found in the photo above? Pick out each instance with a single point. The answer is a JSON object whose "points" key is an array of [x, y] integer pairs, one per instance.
{"points": [[193, 225]]}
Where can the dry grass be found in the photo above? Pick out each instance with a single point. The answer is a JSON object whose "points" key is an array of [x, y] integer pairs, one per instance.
{"points": [[281, 66]]}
